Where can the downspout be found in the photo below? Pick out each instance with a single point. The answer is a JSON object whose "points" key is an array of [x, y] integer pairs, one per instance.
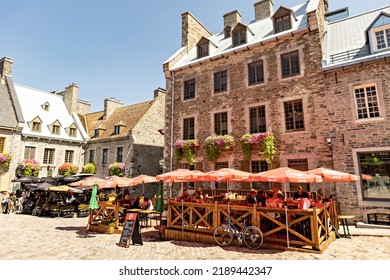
{"points": [[172, 116]]}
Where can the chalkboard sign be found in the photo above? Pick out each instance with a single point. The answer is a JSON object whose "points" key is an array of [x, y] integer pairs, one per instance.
{"points": [[130, 231]]}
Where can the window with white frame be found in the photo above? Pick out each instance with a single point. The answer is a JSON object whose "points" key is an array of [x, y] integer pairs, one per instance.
{"points": [[382, 39], [69, 156], [367, 102], [29, 152], [117, 129], [221, 123], [189, 89], [188, 128], [48, 156], [257, 119]]}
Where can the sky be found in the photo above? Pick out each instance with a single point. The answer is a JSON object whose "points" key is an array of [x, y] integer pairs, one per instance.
{"points": [[112, 48]]}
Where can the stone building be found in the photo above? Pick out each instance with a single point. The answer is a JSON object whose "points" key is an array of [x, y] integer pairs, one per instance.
{"points": [[317, 81], [357, 86], [11, 123], [41, 126], [265, 76], [127, 134]]}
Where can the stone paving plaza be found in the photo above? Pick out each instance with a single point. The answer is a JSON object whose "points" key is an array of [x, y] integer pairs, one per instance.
{"points": [[39, 238]]}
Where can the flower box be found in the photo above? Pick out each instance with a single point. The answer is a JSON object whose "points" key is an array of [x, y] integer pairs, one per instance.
{"points": [[217, 144], [186, 149]]}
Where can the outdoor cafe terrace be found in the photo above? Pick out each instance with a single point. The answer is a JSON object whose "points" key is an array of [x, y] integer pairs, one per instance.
{"points": [[285, 228]]}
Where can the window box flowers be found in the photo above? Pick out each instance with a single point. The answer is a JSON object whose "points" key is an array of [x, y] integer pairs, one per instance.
{"points": [[186, 149], [89, 168], [5, 160], [31, 167], [263, 142], [216, 144], [117, 168], [68, 169]]}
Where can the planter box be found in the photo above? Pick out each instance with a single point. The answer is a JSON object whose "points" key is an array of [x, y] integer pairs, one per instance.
{"points": [[106, 228]]}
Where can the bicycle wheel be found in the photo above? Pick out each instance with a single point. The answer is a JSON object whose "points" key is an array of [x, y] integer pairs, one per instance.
{"points": [[223, 235], [253, 237]]}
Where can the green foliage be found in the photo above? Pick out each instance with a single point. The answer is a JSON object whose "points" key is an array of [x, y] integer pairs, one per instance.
{"points": [[264, 142], [31, 167], [186, 149], [68, 169], [89, 168], [216, 144], [5, 160]]}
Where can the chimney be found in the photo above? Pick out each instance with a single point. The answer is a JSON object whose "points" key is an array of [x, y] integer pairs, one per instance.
{"points": [[70, 97], [110, 104], [191, 31], [263, 9], [231, 19], [6, 66], [158, 91]]}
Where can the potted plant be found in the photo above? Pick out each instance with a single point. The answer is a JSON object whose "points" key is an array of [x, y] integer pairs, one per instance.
{"points": [[117, 168], [31, 167], [186, 149], [216, 144], [262, 142], [5, 160], [89, 168], [68, 169]]}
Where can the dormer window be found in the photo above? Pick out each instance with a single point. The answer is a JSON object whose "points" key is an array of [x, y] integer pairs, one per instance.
{"points": [[36, 124], [72, 130], [283, 23], [55, 128], [46, 106], [379, 33], [117, 129], [96, 133], [203, 50], [239, 35], [283, 19]]}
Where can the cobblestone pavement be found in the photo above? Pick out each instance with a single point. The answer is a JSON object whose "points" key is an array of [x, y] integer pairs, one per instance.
{"points": [[37, 238]]}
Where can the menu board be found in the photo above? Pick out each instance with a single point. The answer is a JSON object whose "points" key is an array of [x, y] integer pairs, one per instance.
{"points": [[130, 231]]}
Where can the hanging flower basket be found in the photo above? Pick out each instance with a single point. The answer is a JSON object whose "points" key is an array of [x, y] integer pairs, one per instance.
{"points": [[216, 144], [31, 167], [117, 168], [89, 168], [186, 149], [262, 142], [68, 169], [5, 160]]}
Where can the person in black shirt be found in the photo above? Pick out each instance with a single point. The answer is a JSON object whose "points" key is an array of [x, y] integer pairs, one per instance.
{"points": [[251, 198], [298, 193]]}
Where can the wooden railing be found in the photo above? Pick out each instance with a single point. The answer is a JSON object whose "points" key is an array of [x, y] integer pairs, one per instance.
{"points": [[305, 227], [216, 192]]}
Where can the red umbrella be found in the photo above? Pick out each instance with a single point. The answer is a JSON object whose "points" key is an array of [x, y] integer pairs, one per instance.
{"points": [[90, 181], [329, 175], [182, 175], [229, 175], [142, 179]]}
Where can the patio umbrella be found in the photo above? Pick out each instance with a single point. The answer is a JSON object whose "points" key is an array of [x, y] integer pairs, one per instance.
{"points": [[284, 175], [64, 188], [71, 178], [229, 175], [160, 198], [142, 179], [44, 186], [329, 175], [93, 205], [182, 175], [89, 182]]}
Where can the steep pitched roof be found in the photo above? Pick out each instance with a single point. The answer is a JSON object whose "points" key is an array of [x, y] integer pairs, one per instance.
{"points": [[346, 40], [7, 113], [127, 117], [31, 101], [263, 30]]}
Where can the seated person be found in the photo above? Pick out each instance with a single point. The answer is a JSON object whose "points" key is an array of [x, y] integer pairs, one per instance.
{"points": [[304, 202], [198, 197], [126, 202], [136, 203], [271, 201], [298, 193], [279, 200], [186, 197], [276, 190], [147, 205], [251, 198], [261, 198]]}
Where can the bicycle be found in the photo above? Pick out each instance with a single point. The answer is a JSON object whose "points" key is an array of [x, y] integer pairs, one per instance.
{"points": [[250, 235]]}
